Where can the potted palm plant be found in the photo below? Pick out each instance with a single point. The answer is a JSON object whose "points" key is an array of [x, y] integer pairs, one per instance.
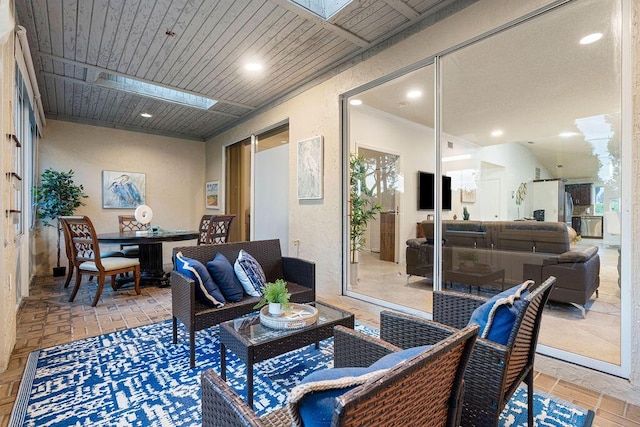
{"points": [[57, 195], [276, 295], [363, 208]]}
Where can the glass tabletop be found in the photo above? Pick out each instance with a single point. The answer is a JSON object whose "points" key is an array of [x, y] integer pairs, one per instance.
{"points": [[250, 328]]}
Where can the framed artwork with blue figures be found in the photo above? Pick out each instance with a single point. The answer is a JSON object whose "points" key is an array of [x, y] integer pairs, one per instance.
{"points": [[123, 190]]}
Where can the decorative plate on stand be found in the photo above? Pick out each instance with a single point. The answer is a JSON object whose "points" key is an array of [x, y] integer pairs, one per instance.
{"points": [[297, 316]]}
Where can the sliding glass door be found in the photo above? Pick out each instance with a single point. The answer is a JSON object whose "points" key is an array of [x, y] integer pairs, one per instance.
{"points": [[529, 174]]}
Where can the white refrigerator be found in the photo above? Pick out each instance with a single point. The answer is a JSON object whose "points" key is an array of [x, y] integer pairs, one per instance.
{"points": [[549, 195]]}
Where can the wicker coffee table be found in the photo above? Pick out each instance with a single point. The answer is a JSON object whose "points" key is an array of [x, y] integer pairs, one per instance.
{"points": [[253, 342]]}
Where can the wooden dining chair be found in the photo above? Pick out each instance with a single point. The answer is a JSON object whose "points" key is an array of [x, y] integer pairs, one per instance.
{"points": [[129, 223], [87, 260], [203, 229], [219, 228], [70, 257]]}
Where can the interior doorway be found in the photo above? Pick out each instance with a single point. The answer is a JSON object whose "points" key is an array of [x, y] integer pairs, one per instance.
{"points": [[238, 189]]}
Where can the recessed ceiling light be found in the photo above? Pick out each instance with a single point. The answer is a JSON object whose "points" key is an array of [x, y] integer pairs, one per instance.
{"points": [[591, 38], [146, 115], [355, 102], [414, 94], [567, 134], [253, 66], [497, 132]]}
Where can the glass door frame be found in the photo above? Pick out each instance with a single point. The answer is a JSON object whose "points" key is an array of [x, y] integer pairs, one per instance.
{"points": [[624, 369]]}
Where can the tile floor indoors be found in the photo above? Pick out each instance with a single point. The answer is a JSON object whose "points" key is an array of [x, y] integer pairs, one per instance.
{"points": [[46, 319]]}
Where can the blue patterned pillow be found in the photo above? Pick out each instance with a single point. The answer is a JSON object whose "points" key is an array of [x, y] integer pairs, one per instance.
{"points": [[222, 273], [314, 398], [207, 291], [496, 316], [250, 274]]}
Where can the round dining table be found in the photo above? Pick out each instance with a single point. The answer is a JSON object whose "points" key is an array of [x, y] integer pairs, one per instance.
{"points": [[150, 255]]}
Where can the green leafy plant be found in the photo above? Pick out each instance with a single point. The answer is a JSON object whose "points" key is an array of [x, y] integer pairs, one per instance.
{"points": [[57, 195], [468, 256], [363, 208], [275, 292], [465, 214]]}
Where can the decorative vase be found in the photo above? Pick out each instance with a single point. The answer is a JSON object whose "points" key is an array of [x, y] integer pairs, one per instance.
{"points": [[275, 309]]}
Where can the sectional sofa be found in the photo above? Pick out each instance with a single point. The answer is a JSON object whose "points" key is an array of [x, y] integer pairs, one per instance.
{"points": [[523, 249]]}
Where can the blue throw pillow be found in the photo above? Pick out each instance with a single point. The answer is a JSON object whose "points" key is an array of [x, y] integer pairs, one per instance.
{"points": [[314, 398], [250, 274], [222, 273], [207, 291], [497, 316]]}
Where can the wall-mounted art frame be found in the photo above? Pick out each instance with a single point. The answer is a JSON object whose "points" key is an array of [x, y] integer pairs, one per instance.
{"points": [[212, 195], [310, 168], [468, 196], [123, 190]]}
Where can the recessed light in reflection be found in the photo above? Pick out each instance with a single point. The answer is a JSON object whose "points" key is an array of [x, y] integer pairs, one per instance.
{"points": [[355, 102], [591, 38], [567, 134], [414, 94], [146, 115], [497, 132]]}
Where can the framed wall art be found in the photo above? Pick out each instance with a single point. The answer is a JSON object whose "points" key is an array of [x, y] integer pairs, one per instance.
{"points": [[123, 190], [310, 168], [212, 195]]}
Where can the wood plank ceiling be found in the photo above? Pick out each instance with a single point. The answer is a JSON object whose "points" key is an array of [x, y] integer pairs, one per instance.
{"points": [[83, 51]]}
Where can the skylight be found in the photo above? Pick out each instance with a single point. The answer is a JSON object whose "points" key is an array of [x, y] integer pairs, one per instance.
{"points": [[323, 8], [153, 91]]}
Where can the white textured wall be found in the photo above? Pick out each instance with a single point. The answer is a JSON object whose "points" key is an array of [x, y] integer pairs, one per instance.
{"points": [[8, 250], [318, 225], [174, 171]]}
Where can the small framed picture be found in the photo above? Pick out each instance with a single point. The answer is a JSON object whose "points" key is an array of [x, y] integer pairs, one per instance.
{"points": [[310, 168], [212, 195]]}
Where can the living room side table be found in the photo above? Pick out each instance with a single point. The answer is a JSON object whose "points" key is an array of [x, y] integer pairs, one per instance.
{"points": [[253, 342]]}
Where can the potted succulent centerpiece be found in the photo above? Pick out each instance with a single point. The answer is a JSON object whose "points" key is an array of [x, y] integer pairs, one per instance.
{"points": [[56, 196], [469, 262], [276, 295]]}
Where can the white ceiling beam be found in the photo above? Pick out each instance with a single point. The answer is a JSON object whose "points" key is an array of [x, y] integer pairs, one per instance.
{"points": [[403, 8], [116, 73], [312, 17]]}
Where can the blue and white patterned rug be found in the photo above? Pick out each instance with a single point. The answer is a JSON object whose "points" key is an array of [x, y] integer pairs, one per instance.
{"points": [[137, 377]]}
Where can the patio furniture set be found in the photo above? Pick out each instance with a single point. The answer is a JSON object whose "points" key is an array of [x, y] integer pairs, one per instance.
{"points": [[460, 369]]}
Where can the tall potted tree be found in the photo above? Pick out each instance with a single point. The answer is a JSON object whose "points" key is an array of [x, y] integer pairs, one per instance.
{"points": [[363, 209], [57, 195]]}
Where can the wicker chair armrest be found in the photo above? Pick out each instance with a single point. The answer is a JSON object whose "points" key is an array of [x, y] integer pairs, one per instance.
{"points": [[182, 294], [355, 349], [221, 406], [407, 331], [299, 271], [455, 308]]}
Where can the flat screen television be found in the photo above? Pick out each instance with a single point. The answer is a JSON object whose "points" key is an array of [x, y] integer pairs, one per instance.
{"points": [[426, 189]]}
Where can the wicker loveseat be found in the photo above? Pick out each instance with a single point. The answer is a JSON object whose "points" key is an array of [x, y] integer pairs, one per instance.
{"points": [[299, 274], [523, 249]]}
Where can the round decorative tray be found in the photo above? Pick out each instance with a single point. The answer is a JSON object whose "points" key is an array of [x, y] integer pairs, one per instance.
{"points": [[297, 316]]}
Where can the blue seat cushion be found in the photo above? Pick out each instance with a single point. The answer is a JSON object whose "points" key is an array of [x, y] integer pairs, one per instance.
{"points": [[250, 274], [222, 273], [497, 316], [207, 290], [314, 398]]}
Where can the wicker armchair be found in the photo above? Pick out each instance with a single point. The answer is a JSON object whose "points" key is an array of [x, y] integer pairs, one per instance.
{"points": [[425, 390], [495, 371]]}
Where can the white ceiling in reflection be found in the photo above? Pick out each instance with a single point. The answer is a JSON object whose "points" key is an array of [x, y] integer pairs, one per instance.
{"points": [[534, 82]]}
